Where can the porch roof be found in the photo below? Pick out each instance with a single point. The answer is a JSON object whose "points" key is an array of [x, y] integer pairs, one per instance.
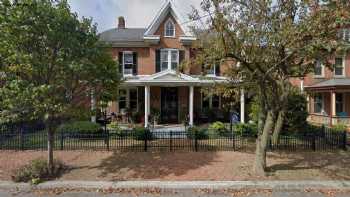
{"points": [[173, 78], [330, 84]]}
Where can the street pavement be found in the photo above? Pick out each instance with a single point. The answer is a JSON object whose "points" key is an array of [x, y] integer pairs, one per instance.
{"points": [[179, 193]]}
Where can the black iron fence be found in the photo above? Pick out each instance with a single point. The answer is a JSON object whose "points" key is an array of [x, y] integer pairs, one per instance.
{"points": [[166, 141]]}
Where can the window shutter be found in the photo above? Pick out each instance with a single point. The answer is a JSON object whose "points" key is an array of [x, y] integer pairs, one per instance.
{"points": [[134, 68], [120, 58], [217, 69], [157, 60]]}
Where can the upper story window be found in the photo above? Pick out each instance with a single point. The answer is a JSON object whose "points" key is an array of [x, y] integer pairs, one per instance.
{"points": [[319, 69], [169, 59], [212, 70], [128, 63], [345, 34], [169, 29], [339, 68]]}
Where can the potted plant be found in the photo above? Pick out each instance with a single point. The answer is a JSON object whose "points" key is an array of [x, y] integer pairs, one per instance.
{"points": [[155, 116]]}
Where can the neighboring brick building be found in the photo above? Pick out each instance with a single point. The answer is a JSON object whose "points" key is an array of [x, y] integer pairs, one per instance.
{"points": [[328, 91], [150, 58]]}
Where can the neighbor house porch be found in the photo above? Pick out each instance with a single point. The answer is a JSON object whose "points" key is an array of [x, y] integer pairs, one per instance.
{"points": [[329, 102], [169, 97]]}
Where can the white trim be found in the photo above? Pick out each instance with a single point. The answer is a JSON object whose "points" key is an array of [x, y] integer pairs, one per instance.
{"points": [[165, 28], [168, 7]]}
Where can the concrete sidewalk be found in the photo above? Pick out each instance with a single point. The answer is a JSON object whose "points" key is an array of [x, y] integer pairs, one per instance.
{"points": [[181, 185]]}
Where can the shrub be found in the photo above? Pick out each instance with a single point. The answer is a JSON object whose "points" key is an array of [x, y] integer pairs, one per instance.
{"points": [[199, 134], [245, 129], [218, 128], [37, 171], [339, 128], [141, 133], [80, 127]]}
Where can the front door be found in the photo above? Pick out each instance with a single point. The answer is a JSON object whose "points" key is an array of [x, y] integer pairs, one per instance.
{"points": [[169, 105]]}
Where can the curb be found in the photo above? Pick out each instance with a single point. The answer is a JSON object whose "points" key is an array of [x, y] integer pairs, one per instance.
{"points": [[178, 185]]}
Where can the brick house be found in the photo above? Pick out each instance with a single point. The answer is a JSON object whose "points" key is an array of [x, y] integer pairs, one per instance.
{"points": [[328, 91], [149, 60]]}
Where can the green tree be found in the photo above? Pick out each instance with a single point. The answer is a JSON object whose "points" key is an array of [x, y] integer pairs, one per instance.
{"points": [[50, 63], [273, 41]]}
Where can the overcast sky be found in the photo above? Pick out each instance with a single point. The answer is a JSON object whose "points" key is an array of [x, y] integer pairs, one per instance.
{"points": [[137, 13]]}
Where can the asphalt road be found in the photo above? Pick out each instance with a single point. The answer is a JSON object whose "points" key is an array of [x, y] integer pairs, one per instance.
{"points": [[183, 193]]}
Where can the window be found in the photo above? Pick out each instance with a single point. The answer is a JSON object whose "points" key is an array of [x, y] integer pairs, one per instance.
{"points": [[318, 103], [133, 99], [169, 28], [210, 101], [339, 67], [345, 34], [339, 103], [169, 59], [128, 62], [122, 100], [128, 99], [318, 69]]}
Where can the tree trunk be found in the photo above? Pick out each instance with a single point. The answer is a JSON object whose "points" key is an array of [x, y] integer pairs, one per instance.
{"points": [[261, 145], [50, 145], [278, 126]]}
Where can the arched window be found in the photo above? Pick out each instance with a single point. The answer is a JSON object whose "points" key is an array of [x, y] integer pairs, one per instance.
{"points": [[169, 28]]}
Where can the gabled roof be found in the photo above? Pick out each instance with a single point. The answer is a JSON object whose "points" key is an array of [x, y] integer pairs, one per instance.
{"points": [[127, 34], [171, 75], [167, 8]]}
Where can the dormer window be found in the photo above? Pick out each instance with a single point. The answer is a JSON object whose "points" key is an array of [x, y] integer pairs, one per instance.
{"points": [[169, 29]]}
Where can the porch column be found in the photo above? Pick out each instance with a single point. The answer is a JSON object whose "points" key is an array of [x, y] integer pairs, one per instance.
{"points": [[333, 108], [242, 106], [191, 106], [93, 106], [147, 92]]}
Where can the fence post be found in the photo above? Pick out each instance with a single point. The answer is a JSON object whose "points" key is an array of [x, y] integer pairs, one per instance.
{"points": [[107, 139], [62, 140], [21, 138], [345, 140], [233, 140], [171, 140], [195, 141], [313, 142], [145, 141]]}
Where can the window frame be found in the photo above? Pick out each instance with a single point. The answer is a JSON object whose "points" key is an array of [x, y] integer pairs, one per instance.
{"points": [[132, 64], [322, 70], [343, 66], [210, 101], [342, 102], [128, 99], [166, 28], [169, 60], [322, 103]]}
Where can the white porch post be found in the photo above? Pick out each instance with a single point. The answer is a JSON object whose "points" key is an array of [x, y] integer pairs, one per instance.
{"points": [[146, 105], [191, 105], [93, 106], [242, 106], [333, 108]]}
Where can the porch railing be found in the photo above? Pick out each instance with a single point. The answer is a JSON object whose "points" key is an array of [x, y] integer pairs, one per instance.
{"points": [[325, 120]]}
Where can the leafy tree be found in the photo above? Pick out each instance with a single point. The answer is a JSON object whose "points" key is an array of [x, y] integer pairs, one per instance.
{"points": [[50, 63], [273, 41]]}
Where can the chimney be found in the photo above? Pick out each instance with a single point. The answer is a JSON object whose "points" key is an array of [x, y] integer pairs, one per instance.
{"points": [[121, 22]]}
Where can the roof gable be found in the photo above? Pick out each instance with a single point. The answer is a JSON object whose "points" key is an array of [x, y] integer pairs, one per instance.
{"points": [[168, 8], [170, 75]]}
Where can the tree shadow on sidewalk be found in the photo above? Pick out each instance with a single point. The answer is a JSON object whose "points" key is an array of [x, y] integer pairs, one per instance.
{"points": [[315, 165], [152, 165]]}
